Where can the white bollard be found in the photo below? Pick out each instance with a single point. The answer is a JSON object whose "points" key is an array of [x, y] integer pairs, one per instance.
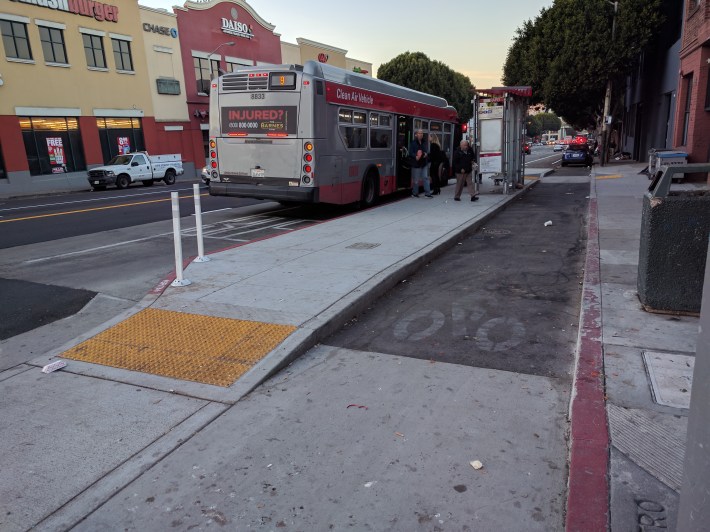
{"points": [[198, 225], [179, 280]]}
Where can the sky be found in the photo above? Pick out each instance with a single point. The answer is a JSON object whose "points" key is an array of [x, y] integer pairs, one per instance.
{"points": [[470, 36]]}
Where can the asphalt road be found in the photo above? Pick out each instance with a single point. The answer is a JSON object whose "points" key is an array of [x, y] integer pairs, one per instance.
{"points": [[31, 220], [109, 249], [506, 298]]}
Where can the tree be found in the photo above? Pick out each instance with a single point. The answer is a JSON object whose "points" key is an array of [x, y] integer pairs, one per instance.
{"points": [[416, 71], [567, 54]]}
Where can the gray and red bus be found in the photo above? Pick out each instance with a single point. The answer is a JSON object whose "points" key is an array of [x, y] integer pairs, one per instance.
{"points": [[319, 134]]}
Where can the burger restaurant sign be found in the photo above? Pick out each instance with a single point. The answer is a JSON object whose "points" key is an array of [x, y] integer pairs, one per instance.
{"points": [[87, 8]]}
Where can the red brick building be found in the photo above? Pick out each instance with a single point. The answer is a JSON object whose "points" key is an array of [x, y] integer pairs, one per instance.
{"points": [[206, 30], [692, 120]]}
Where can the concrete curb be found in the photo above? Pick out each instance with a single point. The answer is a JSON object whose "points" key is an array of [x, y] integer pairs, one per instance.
{"points": [[357, 301], [588, 485]]}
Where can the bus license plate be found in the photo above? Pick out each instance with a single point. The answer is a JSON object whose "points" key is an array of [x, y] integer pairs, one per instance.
{"points": [[258, 172]]}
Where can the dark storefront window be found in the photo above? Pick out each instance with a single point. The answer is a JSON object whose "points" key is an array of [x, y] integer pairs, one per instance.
{"points": [[14, 37], [119, 135], [205, 70], [94, 49], [3, 172], [122, 55], [52, 144], [53, 45]]}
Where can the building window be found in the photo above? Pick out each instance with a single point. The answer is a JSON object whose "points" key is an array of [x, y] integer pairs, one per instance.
{"points": [[14, 37], [119, 136], [205, 70], [122, 55], [707, 95], [53, 45], [52, 145], [233, 66], [94, 48], [686, 115]]}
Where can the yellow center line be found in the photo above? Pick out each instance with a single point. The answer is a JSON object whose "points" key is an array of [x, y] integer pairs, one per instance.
{"points": [[79, 211]]}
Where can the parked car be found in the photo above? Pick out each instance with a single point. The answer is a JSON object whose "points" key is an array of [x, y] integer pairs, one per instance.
{"points": [[577, 153], [205, 176], [129, 168], [558, 147]]}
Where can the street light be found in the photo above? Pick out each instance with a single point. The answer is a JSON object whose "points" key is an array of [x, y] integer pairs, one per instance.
{"points": [[607, 95], [209, 56]]}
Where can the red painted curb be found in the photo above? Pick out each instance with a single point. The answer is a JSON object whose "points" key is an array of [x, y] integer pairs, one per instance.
{"points": [[588, 487]]}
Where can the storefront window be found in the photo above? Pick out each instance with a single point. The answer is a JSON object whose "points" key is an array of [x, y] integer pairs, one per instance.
{"points": [[52, 144], [3, 172], [119, 136]]}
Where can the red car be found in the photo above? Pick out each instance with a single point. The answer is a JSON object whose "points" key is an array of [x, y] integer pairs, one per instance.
{"points": [[526, 148]]}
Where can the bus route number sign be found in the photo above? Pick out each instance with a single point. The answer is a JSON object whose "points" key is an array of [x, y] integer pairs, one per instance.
{"points": [[259, 120]]}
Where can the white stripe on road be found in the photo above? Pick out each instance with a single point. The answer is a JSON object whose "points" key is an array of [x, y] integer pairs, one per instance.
{"points": [[103, 198]]}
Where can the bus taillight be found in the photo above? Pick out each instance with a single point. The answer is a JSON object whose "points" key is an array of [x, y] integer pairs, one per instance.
{"points": [[308, 146], [308, 157], [213, 144], [307, 168]]}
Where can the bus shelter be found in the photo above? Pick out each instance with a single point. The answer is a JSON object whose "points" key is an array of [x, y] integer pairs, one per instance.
{"points": [[499, 129]]}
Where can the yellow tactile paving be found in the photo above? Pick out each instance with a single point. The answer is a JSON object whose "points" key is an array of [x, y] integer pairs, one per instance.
{"points": [[183, 346]]}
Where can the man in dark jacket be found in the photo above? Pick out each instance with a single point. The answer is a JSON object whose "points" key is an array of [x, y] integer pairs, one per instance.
{"points": [[464, 164], [419, 155]]}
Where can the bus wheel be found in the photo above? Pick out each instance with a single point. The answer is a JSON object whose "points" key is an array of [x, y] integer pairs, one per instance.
{"points": [[369, 190]]}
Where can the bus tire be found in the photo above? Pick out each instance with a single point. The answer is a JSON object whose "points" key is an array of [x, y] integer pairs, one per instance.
{"points": [[369, 190], [169, 178], [442, 174], [122, 181]]}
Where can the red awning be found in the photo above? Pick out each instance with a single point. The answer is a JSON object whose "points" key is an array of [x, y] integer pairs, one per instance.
{"points": [[524, 91]]}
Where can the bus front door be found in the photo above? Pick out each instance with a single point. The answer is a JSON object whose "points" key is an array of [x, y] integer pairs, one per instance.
{"points": [[404, 136]]}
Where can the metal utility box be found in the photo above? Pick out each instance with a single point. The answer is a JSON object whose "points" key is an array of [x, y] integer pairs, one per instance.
{"points": [[670, 158]]}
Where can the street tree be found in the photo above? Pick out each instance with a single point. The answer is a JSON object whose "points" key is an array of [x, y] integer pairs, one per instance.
{"points": [[567, 53], [542, 122], [416, 71]]}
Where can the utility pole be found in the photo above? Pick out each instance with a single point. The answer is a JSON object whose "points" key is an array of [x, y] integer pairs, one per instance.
{"points": [[607, 99], [693, 508]]}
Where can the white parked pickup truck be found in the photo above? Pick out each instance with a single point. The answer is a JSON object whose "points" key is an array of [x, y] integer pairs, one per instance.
{"points": [[123, 170]]}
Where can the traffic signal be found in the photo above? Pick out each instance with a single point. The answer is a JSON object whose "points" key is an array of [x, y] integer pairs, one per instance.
{"points": [[464, 128]]}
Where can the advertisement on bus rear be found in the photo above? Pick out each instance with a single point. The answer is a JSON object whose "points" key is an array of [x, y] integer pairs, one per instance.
{"points": [[259, 120]]}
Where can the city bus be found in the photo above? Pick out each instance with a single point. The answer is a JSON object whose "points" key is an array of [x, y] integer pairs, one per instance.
{"points": [[315, 133]]}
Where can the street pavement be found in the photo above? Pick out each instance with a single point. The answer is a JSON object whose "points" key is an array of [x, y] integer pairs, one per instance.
{"points": [[368, 440]]}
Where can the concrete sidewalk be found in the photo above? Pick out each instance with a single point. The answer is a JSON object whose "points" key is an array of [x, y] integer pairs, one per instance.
{"points": [[96, 445]]}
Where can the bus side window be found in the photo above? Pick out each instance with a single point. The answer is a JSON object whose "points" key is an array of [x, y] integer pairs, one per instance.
{"points": [[319, 87]]}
